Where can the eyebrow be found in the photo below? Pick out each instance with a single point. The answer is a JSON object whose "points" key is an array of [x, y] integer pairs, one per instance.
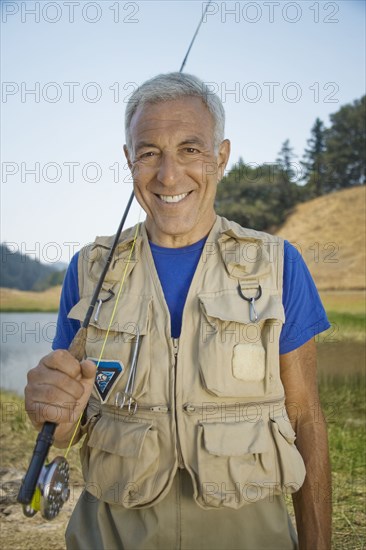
{"points": [[192, 141], [188, 141], [143, 144]]}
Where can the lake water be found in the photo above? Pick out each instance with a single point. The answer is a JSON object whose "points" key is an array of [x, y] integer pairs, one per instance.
{"points": [[26, 337]]}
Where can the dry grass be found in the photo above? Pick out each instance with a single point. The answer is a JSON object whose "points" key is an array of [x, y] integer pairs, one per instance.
{"points": [[353, 302], [17, 440], [347, 315], [19, 300], [330, 233]]}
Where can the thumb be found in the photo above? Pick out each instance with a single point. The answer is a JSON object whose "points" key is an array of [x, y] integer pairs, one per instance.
{"points": [[88, 369]]}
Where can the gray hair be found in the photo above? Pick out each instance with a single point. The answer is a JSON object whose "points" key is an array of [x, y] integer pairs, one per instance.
{"points": [[170, 86]]}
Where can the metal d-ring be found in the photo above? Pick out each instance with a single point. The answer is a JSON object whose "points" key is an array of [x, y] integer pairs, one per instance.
{"points": [[253, 316], [100, 302]]}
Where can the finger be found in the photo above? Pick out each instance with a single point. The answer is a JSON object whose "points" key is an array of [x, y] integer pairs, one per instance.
{"points": [[63, 361], [51, 383], [48, 412]]}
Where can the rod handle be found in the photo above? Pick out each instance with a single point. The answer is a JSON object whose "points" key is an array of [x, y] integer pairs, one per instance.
{"points": [[77, 346], [40, 452]]}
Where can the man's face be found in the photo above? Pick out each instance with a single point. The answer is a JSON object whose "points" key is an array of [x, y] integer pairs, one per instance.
{"points": [[175, 169]]}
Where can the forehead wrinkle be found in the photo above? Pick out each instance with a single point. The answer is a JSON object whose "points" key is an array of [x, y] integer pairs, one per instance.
{"points": [[182, 135], [148, 133], [156, 129], [185, 106], [147, 123]]}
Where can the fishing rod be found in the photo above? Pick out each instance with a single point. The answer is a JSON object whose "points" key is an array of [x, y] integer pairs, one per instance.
{"points": [[45, 487]]}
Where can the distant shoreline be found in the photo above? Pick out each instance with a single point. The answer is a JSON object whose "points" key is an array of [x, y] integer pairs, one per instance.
{"points": [[40, 310]]}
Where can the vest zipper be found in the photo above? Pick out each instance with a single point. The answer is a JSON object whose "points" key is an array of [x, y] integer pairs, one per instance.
{"points": [[175, 347], [153, 408], [179, 449], [193, 408]]}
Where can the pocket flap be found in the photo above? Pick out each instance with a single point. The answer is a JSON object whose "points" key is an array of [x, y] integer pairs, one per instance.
{"points": [[231, 307], [235, 439], [132, 311], [285, 428], [244, 255], [119, 437]]}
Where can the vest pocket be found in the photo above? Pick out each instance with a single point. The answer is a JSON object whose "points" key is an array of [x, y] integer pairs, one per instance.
{"points": [[120, 461], [291, 465], [232, 459], [238, 357], [239, 463]]}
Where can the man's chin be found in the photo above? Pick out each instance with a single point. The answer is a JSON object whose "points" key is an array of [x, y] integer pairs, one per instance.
{"points": [[171, 231]]}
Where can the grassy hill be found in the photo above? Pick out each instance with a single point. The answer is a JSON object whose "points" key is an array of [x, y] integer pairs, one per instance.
{"points": [[12, 299], [330, 233]]}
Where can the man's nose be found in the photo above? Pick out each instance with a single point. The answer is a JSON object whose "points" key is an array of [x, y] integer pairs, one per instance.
{"points": [[168, 169]]}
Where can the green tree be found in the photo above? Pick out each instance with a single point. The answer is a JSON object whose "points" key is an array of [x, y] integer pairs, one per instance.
{"points": [[313, 163], [253, 197], [287, 173], [285, 159], [345, 145]]}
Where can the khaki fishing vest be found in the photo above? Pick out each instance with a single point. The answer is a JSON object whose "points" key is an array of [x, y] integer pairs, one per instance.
{"points": [[211, 401]]}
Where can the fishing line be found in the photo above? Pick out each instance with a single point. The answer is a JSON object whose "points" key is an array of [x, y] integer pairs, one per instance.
{"points": [[108, 329]]}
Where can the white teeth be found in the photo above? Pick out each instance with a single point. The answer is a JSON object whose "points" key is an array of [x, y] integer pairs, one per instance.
{"points": [[172, 198]]}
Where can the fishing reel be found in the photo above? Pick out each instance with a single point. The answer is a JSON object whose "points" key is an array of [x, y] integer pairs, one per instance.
{"points": [[45, 487], [52, 490]]}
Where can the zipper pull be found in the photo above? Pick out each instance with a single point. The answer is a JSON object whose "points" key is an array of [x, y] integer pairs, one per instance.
{"points": [[159, 408], [175, 346]]}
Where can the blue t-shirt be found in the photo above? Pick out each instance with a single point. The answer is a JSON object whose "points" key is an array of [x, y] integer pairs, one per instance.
{"points": [[176, 267], [304, 312]]}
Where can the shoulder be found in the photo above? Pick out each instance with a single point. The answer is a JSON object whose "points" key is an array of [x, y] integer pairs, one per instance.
{"points": [[71, 275], [99, 248], [295, 268], [228, 226], [255, 245]]}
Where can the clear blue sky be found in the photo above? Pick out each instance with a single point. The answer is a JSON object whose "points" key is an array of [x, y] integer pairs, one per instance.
{"points": [[285, 63]]}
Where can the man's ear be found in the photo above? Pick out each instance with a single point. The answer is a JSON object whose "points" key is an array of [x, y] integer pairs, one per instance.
{"points": [[127, 155], [223, 157]]}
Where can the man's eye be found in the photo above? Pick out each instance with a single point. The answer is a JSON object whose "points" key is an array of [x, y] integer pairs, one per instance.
{"points": [[191, 150], [148, 154]]}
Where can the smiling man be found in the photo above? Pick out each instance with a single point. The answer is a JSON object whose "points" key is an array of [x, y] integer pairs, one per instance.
{"points": [[176, 166], [201, 357]]}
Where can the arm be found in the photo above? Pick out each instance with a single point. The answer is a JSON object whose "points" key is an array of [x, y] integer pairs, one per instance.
{"points": [[312, 502]]}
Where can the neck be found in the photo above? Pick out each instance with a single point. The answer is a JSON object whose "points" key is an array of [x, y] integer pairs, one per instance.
{"points": [[178, 241]]}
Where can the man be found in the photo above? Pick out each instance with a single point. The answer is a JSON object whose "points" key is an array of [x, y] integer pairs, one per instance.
{"points": [[190, 446]]}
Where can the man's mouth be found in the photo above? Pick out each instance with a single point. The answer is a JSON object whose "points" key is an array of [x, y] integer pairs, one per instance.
{"points": [[173, 198]]}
